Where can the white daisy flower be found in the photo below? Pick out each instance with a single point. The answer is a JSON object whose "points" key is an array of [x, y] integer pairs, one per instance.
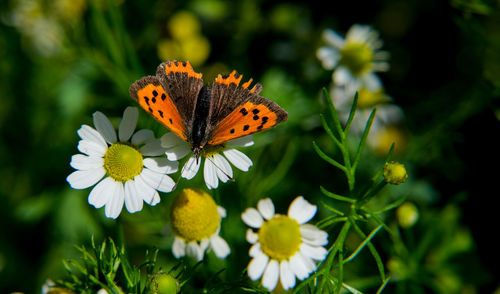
{"points": [[195, 219], [217, 158], [284, 247], [355, 58], [129, 164], [368, 99]]}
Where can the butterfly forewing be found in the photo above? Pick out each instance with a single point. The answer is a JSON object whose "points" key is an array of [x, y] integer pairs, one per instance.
{"points": [[183, 85], [151, 96], [238, 111]]}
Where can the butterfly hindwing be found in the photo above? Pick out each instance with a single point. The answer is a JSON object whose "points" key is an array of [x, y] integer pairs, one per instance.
{"points": [[151, 95], [183, 85], [238, 111]]}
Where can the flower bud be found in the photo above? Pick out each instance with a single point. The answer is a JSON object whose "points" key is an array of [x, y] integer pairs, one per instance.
{"points": [[395, 173]]}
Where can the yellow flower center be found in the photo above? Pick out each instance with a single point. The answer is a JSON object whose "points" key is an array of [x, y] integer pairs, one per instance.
{"points": [[280, 237], [357, 57], [194, 215], [122, 162], [210, 151], [367, 98]]}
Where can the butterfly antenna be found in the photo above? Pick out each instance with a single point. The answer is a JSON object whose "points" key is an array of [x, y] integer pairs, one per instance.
{"points": [[229, 177]]}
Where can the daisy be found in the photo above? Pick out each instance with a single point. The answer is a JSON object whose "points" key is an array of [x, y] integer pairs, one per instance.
{"points": [[284, 247], [368, 99], [217, 158], [195, 219], [129, 164], [355, 58]]}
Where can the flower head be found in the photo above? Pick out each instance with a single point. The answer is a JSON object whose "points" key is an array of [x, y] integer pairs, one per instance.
{"points": [[395, 173], [284, 246], [195, 219], [216, 158], [355, 58], [128, 163]]}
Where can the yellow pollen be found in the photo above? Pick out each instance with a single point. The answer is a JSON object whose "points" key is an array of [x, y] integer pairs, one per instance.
{"points": [[194, 215], [209, 151], [367, 98], [122, 162], [280, 237], [357, 57]]}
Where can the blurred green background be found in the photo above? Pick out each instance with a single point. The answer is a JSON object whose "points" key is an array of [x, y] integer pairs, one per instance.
{"points": [[62, 60]]}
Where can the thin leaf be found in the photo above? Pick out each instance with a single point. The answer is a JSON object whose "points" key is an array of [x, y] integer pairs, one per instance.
{"points": [[363, 138], [336, 196], [381, 288], [352, 113], [330, 132], [373, 251], [363, 244], [351, 289], [327, 158], [334, 114]]}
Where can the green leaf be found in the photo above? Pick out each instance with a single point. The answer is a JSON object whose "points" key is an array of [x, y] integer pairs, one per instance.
{"points": [[333, 113], [327, 158], [352, 113], [336, 196], [363, 244], [362, 142]]}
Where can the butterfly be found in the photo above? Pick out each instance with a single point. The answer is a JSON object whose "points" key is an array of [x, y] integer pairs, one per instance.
{"points": [[205, 115]]}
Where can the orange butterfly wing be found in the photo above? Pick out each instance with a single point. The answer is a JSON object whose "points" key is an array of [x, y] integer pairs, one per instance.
{"points": [[151, 96], [250, 112]]}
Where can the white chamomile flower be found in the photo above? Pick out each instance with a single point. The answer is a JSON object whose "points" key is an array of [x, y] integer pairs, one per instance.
{"points": [[356, 58], [195, 220], [368, 99], [216, 158], [284, 247], [130, 164]]}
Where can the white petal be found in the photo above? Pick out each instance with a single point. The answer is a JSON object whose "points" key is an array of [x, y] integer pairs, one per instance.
{"points": [[219, 246], [342, 76], [128, 123], [191, 167], [147, 193], [238, 159], [83, 162], [252, 218], [301, 210], [210, 175], [178, 248], [287, 277], [333, 38], [372, 81], [102, 193], [194, 250], [328, 56], [241, 142], [313, 236], [204, 244], [222, 167], [251, 236], [90, 134], [133, 201], [313, 252], [266, 208], [104, 126], [161, 165], [160, 182], [170, 140], [178, 152], [82, 179], [301, 266], [140, 137], [257, 266], [271, 275], [255, 250], [92, 148], [221, 211], [152, 148], [115, 204]]}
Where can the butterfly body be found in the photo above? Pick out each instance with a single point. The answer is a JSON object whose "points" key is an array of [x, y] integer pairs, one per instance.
{"points": [[205, 115]]}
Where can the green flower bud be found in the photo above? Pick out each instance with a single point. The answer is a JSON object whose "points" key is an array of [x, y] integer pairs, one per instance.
{"points": [[395, 173]]}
